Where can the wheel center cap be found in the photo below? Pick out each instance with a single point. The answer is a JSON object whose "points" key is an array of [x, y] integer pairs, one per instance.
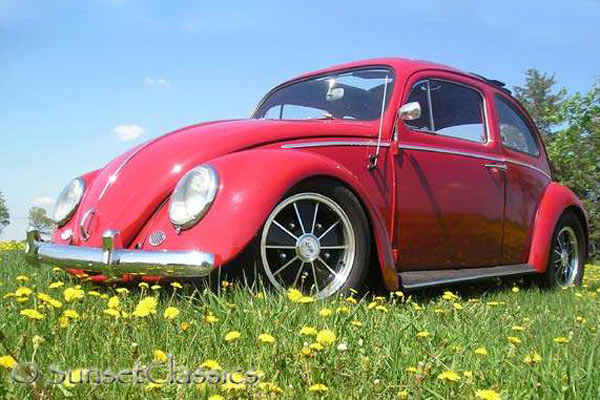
{"points": [[564, 258], [308, 247]]}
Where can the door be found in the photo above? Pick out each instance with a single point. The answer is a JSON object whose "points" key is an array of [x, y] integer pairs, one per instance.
{"points": [[449, 180]]}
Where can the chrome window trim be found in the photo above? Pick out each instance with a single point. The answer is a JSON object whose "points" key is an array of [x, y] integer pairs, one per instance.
{"points": [[370, 143], [330, 143], [486, 122]]}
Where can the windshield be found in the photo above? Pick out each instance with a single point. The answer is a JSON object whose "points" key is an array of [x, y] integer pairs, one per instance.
{"points": [[354, 95]]}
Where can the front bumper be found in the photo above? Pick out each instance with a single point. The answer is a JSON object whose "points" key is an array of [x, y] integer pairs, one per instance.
{"points": [[113, 261]]}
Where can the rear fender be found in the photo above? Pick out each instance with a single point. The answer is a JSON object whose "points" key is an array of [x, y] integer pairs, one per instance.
{"points": [[555, 201], [252, 182]]}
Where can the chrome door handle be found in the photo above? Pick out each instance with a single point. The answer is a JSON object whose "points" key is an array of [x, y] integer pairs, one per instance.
{"points": [[503, 167]]}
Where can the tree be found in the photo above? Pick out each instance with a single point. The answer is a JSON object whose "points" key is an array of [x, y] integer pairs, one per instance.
{"points": [[543, 102], [39, 220], [4, 215]]}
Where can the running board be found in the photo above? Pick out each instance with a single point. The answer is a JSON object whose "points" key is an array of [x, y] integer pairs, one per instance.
{"points": [[441, 277]]}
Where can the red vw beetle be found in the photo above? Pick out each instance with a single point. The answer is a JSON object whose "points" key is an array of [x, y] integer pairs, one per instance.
{"points": [[410, 171]]}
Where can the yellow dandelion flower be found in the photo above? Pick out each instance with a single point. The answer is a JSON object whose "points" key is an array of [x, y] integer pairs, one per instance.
{"points": [[381, 308], [411, 369], [342, 310], [71, 314], [266, 338], [305, 299], [211, 365], [308, 331], [63, 321], [532, 358], [231, 336], [112, 312], [515, 289], [357, 323], [325, 312], [493, 303], [316, 346], [450, 296], [325, 337], [184, 326], [232, 386], [22, 278], [449, 376], [210, 319], [372, 305], [171, 313], [399, 294], [216, 397], [56, 285], [457, 306], [23, 291], [518, 328], [403, 395], [351, 299], [49, 300], [305, 351], [176, 285], [155, 287], [32, 314], [159, 356], [481, 351], [114, 303], [122, 290], [561, 340], [7, 362], [423, 334], [318, 388], [487, 394], [153, 386], [513, 340], [269, 387], [73, 293], [145, 307], [468, 374], [143, 285], [95, 293], [294, 295]]}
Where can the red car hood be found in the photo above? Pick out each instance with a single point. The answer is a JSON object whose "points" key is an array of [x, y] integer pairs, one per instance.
{"points": [[129, 189]]}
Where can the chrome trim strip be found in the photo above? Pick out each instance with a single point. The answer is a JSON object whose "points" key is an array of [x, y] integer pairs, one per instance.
{"points": [[113, 262], [115, 174], [330, 143], [473, 155]]}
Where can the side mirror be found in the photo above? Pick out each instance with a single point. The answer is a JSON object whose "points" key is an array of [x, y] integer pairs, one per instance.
{"points": [[410, 111]]}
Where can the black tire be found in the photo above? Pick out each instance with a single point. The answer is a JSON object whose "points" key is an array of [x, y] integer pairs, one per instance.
{"points": [[347, 201], [552, 277]]}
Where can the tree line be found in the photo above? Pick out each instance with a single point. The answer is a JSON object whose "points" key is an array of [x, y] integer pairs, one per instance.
{"points": [[570, 128]]}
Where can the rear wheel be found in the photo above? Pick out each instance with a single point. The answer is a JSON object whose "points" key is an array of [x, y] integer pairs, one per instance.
{"points": [[316, 240], [567, 253]]}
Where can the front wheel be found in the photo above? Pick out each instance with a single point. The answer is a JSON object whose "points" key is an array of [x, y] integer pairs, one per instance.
{"points": [[567, 253], [316, 240]]}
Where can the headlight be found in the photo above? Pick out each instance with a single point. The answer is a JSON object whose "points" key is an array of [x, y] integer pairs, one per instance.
{"points": [[68, 200], [193, 196]]}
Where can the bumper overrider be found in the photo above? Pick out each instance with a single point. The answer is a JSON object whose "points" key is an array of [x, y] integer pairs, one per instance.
{"points": [[113, 261]]}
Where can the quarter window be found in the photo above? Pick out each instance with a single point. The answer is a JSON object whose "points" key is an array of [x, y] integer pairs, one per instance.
{"points": [[449, 109], [514, 131]]}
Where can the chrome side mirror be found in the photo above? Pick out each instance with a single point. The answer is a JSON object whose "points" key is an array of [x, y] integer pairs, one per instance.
{"points": [[410, 111]]}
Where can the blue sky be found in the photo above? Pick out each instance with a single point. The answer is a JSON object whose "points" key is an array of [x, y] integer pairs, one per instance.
{"points": [[82, 81]]}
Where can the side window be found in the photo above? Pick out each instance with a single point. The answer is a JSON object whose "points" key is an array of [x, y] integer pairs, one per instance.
{"points": [[515, 132], [449, 109]]}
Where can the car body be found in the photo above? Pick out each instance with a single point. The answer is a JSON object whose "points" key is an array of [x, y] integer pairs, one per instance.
{"points": [[470, 198]]}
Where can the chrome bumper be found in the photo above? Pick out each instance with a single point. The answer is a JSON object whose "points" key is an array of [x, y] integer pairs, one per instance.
{"points": [[114, 262]]}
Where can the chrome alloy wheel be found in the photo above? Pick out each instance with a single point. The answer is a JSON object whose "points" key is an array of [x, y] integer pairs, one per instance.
{"points": [[566, 256], [308, 243]]}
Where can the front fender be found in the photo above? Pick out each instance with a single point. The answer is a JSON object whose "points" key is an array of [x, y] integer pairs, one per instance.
{"points": [[252, 182], [555, 201]]}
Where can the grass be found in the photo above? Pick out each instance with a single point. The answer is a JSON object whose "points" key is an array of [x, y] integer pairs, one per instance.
{"points": [[392, 347]]}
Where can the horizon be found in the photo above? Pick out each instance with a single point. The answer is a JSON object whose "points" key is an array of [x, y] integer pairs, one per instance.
{"points": [[84, 82]]}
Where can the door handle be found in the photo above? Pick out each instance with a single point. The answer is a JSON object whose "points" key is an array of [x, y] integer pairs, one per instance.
{"points": [[503, 167]]}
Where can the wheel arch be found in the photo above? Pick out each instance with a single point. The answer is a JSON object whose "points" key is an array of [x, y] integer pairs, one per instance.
{"points": [[555, 202]]}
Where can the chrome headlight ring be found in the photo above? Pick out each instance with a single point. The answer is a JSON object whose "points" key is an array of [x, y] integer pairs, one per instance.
{"points": [[193, 196], [68, 201]]}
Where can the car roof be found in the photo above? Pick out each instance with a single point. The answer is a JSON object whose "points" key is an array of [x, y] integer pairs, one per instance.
{"points": [[405, 66]]}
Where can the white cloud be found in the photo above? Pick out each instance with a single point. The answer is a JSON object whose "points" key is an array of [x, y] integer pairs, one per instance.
{"points": [[43, 201], [127, 132], [151, 81]]}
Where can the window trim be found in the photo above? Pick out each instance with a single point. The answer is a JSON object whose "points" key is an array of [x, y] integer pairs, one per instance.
{"points": [[324, 74], [481, 94], [532, 129]]}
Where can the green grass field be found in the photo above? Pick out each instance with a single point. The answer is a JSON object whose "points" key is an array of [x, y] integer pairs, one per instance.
{"points": [[504, 340]]}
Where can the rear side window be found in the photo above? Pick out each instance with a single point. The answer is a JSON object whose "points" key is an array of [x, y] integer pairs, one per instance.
{"points": [[449, 109], [514, 131]]}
